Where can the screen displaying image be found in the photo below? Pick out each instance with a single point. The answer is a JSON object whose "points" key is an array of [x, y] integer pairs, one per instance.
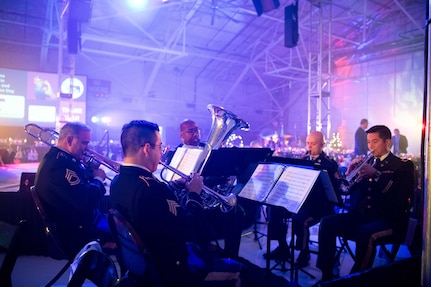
{"points": [[40, 98]]}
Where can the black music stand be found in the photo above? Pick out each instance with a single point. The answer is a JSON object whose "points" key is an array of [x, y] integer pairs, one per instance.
{"points": [[26, 181], [287, 186], [233, 161]]}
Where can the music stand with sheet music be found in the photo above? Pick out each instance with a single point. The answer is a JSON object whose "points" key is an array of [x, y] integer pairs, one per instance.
{"points": [[286, 186]]}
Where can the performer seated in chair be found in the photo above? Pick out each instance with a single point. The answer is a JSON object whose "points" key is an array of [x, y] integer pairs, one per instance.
{"points": [[226, 225], [315, 207], [71, 193], [165, 225], [379, 199]]}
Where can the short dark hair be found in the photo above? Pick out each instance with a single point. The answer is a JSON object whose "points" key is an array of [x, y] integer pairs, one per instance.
{"points": [[72, 129], [136, 133], [364, 121], [383, 131]]}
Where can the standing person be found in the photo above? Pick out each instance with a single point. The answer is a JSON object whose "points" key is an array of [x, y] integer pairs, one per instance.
{"points": [[361, 148], [228, 225], [379, 205], [315, 207], [72, 193], [399, 143], [154, 210]]}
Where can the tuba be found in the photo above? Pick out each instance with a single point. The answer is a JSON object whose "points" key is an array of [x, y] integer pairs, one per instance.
{"points": [[224, 123]]}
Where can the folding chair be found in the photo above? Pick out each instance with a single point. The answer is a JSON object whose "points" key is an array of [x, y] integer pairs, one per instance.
{"points": [[137, 259], [9, 236], [54, 247], [92, 264], [134, 254]]}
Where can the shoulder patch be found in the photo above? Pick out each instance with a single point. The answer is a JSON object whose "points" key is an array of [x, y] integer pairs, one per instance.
{"points": [[144, 179], [61, 154], [72, 177]]}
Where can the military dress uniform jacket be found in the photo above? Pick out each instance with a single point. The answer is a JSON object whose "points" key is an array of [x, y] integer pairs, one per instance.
{"points": [[163, 224], [71, 198], [387, 195]]}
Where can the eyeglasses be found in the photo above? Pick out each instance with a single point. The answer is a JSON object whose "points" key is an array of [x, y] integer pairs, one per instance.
{"points": [[192, 131], [162, 147]]}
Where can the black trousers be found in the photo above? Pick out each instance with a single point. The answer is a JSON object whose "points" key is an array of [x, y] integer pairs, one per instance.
{"points": [[365, 231]]}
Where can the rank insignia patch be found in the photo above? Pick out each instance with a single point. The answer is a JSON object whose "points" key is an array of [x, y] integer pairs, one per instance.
{"points": [[173, 205], [72, 177]]}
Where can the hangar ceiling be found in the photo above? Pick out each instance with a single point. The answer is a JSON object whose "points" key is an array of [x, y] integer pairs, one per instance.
{"points": [[222, 39]]}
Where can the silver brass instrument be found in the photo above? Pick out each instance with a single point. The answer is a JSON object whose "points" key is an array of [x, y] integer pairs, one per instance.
{"points": [[91, 158], [353, 177], [227, 202], [224, 123]]}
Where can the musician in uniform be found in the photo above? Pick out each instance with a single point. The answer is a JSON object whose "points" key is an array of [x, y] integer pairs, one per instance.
{"points": [[379, 200], [153, 209], [228, 225], [70, 192], [315, 207]]}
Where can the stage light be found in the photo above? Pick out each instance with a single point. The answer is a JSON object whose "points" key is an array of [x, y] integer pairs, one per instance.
{"points": [[105, 120], [94, 119], [138, 4]]}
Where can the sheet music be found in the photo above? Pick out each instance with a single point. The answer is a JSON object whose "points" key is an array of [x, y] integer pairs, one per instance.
{"points": [[261, 182], [175, 162], [292, 188], [190, 161]]}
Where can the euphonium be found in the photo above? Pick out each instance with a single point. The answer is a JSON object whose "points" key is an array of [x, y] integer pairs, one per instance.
{"points": [[353, 176], [226, 202], [91, 158]]}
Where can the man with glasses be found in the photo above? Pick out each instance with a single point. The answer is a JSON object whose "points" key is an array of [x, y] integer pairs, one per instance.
{"points": [[155, 212], [228, 225], [190, 134]]}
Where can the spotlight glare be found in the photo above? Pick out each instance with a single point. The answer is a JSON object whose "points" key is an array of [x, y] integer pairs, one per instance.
{"points": [[106, 120], [138, 4]]}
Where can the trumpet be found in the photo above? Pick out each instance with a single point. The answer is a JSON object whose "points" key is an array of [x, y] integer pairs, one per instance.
{"points": [[91, 158], [353, 176], [226, 202]]}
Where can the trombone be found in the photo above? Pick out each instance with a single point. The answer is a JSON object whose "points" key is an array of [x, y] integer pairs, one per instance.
{"points": [[227, 202], [91, 158]]}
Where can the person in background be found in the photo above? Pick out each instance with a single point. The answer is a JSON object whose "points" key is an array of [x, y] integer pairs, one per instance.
{"points": [[379, 205], [70, 192], [399, 143], [161, 220], [361, 148]]}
